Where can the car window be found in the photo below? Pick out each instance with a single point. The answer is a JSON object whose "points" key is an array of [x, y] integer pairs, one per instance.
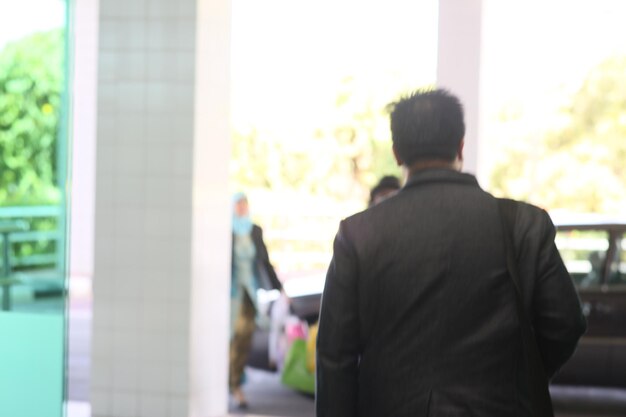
{"points": [[617, 271], [583, 252]]}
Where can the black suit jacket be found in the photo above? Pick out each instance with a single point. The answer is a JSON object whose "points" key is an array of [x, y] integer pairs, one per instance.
{"points": [[418, 313]]}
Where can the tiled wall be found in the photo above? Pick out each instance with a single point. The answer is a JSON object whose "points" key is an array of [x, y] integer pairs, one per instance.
{"points": [[151, 214]]}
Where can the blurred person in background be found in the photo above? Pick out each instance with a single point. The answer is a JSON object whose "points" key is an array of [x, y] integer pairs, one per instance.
{"points": [[420, 314], [251, 270], [386, 187]]}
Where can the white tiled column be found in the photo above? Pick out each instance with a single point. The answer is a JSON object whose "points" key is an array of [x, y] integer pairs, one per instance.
{"points": [[458, 66], [162, 233]]}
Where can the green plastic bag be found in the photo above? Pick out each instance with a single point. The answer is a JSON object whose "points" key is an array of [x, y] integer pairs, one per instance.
{"points": [[295, 373]]}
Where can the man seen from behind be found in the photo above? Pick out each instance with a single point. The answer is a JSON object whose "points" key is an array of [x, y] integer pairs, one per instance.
{"points": [[418, 313]]}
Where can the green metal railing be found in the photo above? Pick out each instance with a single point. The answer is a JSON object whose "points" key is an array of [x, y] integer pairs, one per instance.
{"points": [[38, 229]]}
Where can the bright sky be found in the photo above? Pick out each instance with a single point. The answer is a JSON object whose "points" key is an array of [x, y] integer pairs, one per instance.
{"points": [[23, 17], [536, 53], [288, 57], [538, 45]]}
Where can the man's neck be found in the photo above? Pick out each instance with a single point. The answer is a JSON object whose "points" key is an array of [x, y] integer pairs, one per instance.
{"points": [[434, 163]]}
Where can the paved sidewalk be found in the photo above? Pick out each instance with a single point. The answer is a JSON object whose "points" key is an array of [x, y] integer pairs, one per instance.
{"points": [[264, 391], [267, 396], [75, 409]]}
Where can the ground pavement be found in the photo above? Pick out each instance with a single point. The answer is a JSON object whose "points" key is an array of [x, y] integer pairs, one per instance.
{"points": [[265, 394]]}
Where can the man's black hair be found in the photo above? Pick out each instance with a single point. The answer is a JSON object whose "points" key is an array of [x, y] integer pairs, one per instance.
{"points": [[427, 124]]}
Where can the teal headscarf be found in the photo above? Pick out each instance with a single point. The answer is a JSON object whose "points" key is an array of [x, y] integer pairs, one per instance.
{"points": [[241, 225]]}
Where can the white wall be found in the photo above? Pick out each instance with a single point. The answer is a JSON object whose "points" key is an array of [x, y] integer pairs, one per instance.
{"points": [[459, 66], [211, 230], [84, 85]]}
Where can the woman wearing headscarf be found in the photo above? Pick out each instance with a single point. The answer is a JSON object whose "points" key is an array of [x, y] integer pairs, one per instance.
{"points": [[251, 270]]}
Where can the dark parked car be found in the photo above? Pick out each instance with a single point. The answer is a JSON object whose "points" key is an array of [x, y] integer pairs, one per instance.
{"points": [[594, 251]]}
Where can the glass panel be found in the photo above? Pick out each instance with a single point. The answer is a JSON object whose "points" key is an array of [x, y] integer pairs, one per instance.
{"points": [[584, 253], [33, 149]]}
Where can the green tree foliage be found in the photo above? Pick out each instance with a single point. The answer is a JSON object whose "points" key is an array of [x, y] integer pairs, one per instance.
{"points": [[31, 82], [579, 167], [342, 159]]}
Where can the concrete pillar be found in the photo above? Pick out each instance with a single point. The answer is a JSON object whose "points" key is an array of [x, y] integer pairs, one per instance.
{"points": [[84, 80], [459, 66], [162, 210]]}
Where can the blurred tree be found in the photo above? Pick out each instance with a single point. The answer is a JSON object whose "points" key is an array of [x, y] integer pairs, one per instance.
{"points": [[249, 160], [342, 159], [580, 166], [31, 81]]}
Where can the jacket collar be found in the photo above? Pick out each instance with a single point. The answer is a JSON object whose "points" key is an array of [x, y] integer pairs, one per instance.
{"points": [[439, 175]]}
